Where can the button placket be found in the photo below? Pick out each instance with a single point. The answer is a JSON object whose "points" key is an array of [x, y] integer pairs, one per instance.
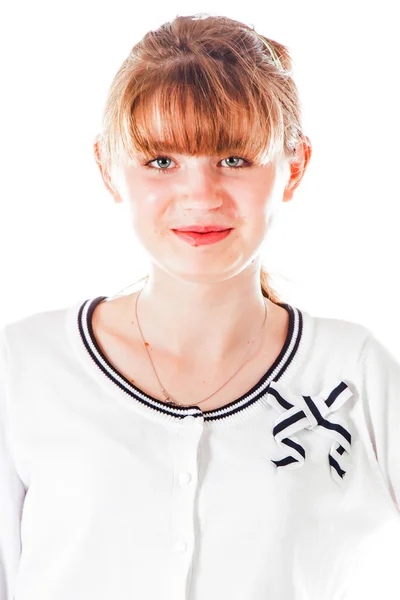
{"points": [[185, 449]]}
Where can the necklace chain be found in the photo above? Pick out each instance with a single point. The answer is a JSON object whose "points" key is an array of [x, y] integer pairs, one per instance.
{"points": [[169, 399]]}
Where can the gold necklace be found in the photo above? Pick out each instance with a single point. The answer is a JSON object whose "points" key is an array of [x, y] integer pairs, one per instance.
{"points": [[169, 399]]}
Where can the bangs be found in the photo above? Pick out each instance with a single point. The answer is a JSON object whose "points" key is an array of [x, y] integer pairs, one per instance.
{"points": [[190, 113]]}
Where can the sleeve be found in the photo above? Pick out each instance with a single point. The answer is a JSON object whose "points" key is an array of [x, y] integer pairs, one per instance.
{"points": [[12, 493], [381, 400]]}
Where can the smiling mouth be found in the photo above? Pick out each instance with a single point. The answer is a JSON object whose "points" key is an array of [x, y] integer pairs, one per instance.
{"points": [[200, 232], [205, 229], [202, 239]]}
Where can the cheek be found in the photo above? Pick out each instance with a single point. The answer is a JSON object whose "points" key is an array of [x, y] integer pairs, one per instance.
{"points": [[257, 215], [147, 221]]}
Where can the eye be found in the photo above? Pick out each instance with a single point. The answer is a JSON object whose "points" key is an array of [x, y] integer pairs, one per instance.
{"points": [[158, 159], [235, 158], [163, 169]]}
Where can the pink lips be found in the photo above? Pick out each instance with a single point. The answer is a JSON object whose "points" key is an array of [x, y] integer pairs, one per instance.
{"points": [[202, 239], [203, 228]]}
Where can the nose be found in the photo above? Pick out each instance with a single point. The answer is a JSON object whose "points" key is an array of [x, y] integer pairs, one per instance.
{"points": [[200, 188]]}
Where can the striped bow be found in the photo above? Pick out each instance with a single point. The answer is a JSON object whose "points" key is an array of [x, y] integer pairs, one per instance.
{"points": [[306, 412]]}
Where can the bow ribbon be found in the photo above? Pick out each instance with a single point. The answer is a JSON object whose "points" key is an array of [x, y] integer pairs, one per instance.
{"points": [[305, 412]]}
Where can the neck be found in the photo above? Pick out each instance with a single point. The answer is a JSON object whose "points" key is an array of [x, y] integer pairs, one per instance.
{"points": [[191, 322]]}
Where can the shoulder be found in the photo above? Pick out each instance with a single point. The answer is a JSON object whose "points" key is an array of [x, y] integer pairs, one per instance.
{"points": [[35, 329], [338, 335], [353, 340]]}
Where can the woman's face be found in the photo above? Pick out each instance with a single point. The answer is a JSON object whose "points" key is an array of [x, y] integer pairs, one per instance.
{"points": [[175, 191]]}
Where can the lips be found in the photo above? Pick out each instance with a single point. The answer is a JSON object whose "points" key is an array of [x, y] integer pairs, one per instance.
{"points": [[202, 239], [202, 229]]}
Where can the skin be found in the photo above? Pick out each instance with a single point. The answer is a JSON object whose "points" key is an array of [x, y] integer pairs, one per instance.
{"points": [[202, 304]]}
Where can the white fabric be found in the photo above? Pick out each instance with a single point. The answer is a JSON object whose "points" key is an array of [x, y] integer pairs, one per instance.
{"points": [[291, 492]]}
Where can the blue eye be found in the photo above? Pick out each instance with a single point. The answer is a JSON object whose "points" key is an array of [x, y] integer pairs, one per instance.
{"points": [[159, 158], [237, 158], [165, 170]]}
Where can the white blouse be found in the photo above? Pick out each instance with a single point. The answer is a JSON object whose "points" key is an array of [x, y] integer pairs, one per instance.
{"points": [[290, 492]]}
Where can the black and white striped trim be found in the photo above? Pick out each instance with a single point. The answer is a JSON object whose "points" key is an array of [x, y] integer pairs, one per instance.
{"points": [[258, 391], [305, 412]]}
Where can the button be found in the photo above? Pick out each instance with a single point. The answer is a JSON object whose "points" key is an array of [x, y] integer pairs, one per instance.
{"points": [[180, 546], [185, 477], [189, 420]]}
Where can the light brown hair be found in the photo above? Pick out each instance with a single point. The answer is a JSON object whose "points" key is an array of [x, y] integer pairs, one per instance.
{"points": [[203, 84]]}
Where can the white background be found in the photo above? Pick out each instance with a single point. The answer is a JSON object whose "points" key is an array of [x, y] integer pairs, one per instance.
{"points": [[335, 252]]}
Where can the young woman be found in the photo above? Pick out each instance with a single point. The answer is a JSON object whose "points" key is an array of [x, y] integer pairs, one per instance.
{"points": [[199, 438]]}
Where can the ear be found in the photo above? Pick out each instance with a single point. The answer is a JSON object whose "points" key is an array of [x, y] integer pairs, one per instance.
{"points": [[104, 172], [298, 167]]}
